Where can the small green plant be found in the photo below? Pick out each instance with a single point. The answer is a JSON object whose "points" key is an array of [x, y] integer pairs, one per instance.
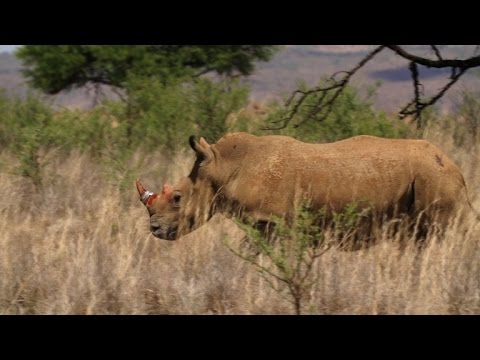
{"points": [[23, 128], [290, 253], [292, 247], [346, 224], [28, 153]]}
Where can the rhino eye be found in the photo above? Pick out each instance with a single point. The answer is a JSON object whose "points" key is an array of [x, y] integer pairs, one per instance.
{"points": [[177, 196]]}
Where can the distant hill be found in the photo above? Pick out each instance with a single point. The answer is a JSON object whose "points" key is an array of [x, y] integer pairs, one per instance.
{"points": [[307, 63]]}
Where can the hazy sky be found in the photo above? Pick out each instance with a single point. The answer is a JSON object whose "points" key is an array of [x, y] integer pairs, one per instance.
{"points": [[7, 47]]}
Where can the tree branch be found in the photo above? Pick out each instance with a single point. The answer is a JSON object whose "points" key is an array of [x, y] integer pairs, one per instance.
{"points": [[436, 51], [421, 105], [444, 63], [337, 86], [416, 90], [328, 94], [258, 265], [203, 72], [118, 91]]}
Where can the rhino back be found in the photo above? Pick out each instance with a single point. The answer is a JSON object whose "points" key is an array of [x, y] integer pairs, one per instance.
{"points": [[270, 174]]}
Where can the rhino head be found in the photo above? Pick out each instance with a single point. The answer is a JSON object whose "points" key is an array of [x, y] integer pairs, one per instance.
{"points": [[180, 209], [163, 209]]}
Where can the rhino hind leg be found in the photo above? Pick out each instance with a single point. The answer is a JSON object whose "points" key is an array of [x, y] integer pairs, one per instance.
{"points": [[435, 208]]}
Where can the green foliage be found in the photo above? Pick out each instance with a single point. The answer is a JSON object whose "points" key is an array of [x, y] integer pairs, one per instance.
{"points": [[468, 112], [53, 68], [346, 224], [214, 103], [291, 251], [161, 115], [168, 114], [291, 247], [350, 116], [23, 125], [157, 115], [462, 124], [29, 155], [17, 115]]}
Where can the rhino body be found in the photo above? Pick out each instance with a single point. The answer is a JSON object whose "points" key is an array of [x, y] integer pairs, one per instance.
{"points": [[261, 176]]}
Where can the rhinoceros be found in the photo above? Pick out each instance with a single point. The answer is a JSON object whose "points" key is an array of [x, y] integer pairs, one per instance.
{"points": [[265, 176]]}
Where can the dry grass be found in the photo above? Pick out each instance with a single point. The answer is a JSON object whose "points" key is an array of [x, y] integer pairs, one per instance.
{"points": [[81, 246]]}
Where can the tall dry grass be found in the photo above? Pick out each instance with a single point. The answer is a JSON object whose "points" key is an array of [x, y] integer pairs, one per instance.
{"points": [[81, 245]]}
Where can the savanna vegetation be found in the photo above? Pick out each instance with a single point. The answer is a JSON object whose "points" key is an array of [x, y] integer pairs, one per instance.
{"points": [[75, 238]]}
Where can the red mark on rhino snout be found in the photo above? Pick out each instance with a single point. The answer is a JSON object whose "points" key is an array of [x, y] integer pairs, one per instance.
{"points": [[166, 194], [151, 199]]}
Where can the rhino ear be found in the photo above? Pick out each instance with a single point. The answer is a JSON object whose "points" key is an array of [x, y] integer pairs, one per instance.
{"points": [[167, 191], [202, 149]]}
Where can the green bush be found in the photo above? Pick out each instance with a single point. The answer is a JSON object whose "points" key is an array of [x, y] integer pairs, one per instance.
{"points": [[466, 132], [28, 152], [285, 251], [23, 129], [17, 114], [155, 115], [213, 103], [350, 116], [167, 114], [462, 123], [290, 251], [91, 131], [162, 115]]}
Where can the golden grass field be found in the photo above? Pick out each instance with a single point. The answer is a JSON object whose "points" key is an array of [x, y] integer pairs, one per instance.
{"points": [[81, 245]]}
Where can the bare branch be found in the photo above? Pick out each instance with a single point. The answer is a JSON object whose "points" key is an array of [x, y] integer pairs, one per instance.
{"points": [[337, 87], [420, 106], [416, 85], [325, 96], [461, 64], [436, 51], [203, 72], [119, 93], [312, 257], [258, 265], [96, 91], [453, 73]]}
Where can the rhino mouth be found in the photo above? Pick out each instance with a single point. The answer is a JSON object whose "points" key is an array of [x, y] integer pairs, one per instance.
{"points": [[165, 234]]}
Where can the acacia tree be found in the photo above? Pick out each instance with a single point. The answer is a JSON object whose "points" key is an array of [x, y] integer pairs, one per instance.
{"points": [[53, 68], [326, 94]]}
